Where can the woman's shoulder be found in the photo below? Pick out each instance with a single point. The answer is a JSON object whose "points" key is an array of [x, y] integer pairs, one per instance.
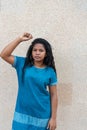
{"points": [[18, 61], [20, 58], [50, 68]]}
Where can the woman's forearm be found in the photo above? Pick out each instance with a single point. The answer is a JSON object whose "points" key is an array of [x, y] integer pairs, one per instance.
{"points": [[54, 105], [10, 47]]}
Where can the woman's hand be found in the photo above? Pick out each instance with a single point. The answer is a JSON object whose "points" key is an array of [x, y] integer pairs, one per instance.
{"points": [[25, 37], [51, 124]]}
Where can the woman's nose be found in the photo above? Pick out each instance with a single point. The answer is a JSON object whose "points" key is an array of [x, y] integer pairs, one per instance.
{"points": [[37, 52]]}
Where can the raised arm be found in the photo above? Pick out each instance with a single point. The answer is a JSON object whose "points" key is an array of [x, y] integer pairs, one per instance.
{"points": [[6, 53]]}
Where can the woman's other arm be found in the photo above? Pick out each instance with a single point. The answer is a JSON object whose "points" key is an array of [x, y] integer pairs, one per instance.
{"points": [[54, 105]]}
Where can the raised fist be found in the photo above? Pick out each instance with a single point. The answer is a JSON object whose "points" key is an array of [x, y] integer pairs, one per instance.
{"points": [[26, 36]]}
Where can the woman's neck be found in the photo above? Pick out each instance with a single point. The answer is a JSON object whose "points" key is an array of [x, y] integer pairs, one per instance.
{"points": [[39, 64]]}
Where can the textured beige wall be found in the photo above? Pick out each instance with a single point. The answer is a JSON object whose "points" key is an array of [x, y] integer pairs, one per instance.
{"points": [[64, 24]]}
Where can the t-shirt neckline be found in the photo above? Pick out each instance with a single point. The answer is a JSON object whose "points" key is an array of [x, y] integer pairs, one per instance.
{"points": [[39, 68]]}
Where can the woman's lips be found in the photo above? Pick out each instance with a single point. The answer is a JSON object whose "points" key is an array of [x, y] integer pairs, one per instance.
{"points": [[37, 57]]}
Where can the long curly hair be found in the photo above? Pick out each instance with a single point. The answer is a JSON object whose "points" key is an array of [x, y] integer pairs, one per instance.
{"points": [[48, 60]]}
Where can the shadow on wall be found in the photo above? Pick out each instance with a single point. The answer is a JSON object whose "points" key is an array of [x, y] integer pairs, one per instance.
{"points": [[65, 69]]}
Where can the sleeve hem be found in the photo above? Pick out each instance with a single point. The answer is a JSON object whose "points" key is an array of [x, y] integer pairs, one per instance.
{"points": [[14, 64], [55, 83]]}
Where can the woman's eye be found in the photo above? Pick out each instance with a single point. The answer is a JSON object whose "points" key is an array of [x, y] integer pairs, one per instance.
{"points": [[41, 50], [34, 50], [38, 50]]}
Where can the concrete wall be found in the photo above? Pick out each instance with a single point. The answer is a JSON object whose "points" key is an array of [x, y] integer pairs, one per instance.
{"points": [[64, 24]]}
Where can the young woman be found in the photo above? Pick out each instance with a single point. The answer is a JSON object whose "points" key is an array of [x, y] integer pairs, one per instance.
{"points": [[37, 100]]}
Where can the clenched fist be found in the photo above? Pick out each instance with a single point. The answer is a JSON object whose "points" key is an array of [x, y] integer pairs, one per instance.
{"points": [[26, 36]]}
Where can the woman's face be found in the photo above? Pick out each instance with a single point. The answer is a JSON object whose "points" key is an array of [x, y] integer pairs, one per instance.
{"points": [[38, 52]]}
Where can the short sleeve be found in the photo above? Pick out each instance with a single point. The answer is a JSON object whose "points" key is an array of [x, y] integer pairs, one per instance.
{"points": [[18, 62], [15, 61], [53, 78]]}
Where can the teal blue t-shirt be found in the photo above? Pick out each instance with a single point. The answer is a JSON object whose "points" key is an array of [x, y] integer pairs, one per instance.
{"points": [[33, 98]]}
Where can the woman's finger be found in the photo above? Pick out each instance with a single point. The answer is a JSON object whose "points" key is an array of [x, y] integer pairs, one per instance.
{"points": [[30, 36], [48, 126], [52, 127]]}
